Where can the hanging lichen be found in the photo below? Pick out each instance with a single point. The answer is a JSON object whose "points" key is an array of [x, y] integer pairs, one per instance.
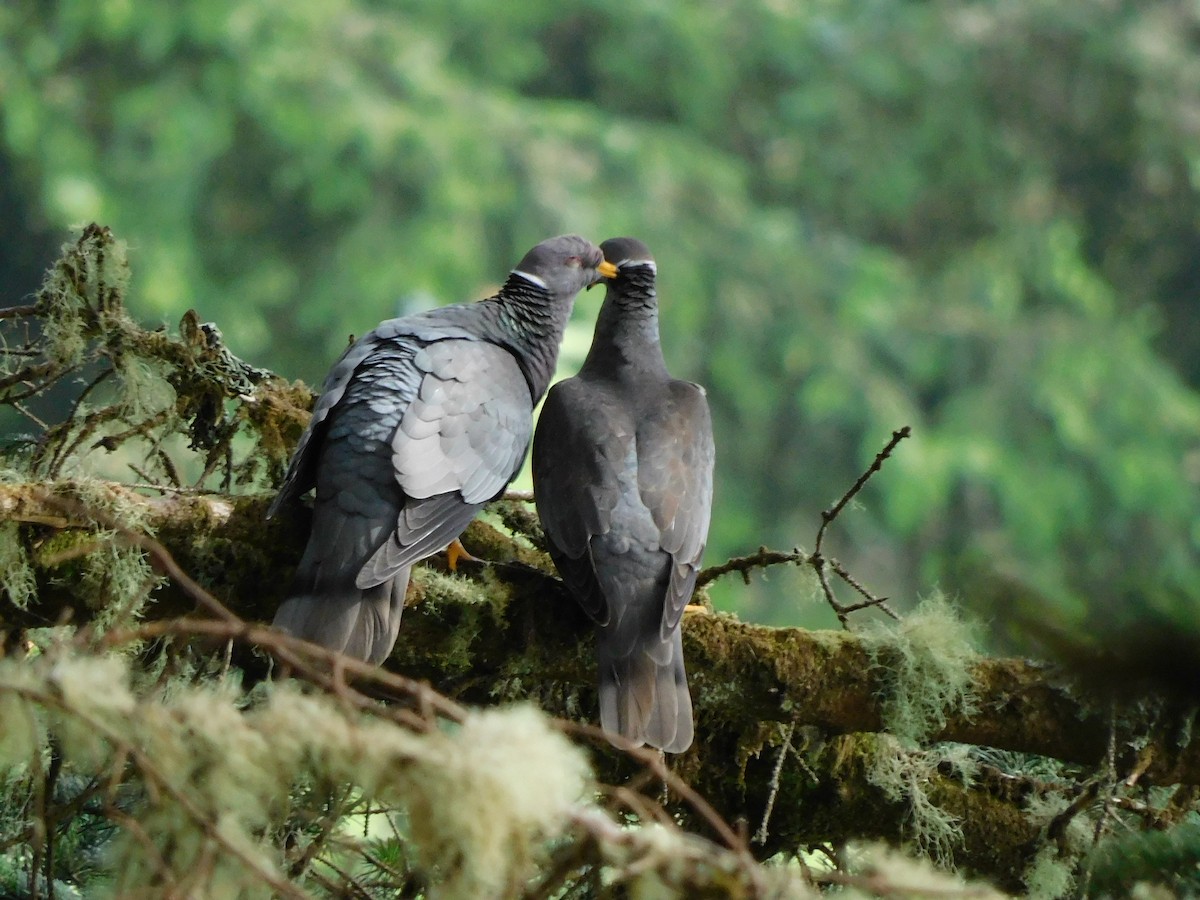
{"points": [[141, 387], [16, 574], [926, 663]]}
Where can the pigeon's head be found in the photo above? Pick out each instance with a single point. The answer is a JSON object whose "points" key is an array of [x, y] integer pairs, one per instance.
{"points": [[564, 265], [633, 261]]}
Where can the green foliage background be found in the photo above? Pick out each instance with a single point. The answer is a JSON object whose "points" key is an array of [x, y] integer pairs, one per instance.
{"points": [[978, 219]]}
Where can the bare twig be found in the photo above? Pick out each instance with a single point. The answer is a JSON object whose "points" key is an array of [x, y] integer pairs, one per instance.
{"points": [[827, 516], [12, 312], [1111, 786], [760, 836], [69, 445], [747, 564], [30, 415], [869, 598], [817, 561], [35, 374], [349, 886], [61, 431], [820, 563]]}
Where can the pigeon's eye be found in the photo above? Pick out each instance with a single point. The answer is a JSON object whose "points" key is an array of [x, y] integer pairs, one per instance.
{"points": [[574, 262]]}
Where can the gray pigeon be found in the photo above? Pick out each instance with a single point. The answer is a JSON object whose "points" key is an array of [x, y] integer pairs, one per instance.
{"points": [[622, 476], [419, 424]]}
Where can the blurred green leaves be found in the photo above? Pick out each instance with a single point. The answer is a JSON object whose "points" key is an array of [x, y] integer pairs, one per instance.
{"points": [[978, 220]]}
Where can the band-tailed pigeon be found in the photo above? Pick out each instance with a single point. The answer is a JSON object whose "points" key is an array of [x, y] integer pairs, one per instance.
{"points": [[419, 424], [622, 476]]}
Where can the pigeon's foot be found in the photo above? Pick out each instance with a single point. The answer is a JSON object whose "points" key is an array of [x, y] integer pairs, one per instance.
{"points": [[455, 553]]}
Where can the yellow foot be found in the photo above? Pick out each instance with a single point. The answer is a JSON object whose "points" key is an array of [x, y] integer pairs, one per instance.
{"points": [[456, 552], [696, 608]]}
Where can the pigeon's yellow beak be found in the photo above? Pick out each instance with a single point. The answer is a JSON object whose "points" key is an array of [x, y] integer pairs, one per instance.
{"points": [[607, 269]]}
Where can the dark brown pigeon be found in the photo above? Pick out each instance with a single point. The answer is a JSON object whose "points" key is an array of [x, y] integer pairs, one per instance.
{"points": [[419, 424], [622, 476]]}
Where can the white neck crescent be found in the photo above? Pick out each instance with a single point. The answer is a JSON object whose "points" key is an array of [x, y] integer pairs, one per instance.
{"points": [[533, 279], [648, 263]]}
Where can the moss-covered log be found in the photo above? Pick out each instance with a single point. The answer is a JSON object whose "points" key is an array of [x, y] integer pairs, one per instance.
{"points": [[506, 630]]}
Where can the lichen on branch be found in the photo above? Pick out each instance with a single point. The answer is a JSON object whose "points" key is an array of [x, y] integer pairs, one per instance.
{"points": [[170, 410]]}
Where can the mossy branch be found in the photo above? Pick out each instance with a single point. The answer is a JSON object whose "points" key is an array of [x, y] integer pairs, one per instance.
{"points": [[508, 631]]}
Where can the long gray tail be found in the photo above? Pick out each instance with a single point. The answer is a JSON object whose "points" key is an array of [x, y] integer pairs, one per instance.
{"points": [[644, 693], [359, 623]]}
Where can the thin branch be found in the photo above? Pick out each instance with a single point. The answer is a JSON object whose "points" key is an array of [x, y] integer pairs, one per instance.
{"points": [[765, 557], [111, 442], [869, 600], [35, 373], [747, 564], [63, 429], [1111, 785], [820, 563], [87, 428], [348, 887], [29, 414], [13, 312], [760, 836], [827, 516]]}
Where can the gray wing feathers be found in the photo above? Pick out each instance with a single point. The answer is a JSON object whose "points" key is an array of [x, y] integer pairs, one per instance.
{"points": [[412, 330], [459, 442], [418, 424], [625, 496], [574, 490], [467, 430], [423, 528], [675, 478], [301, 473], [579, 447]]}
